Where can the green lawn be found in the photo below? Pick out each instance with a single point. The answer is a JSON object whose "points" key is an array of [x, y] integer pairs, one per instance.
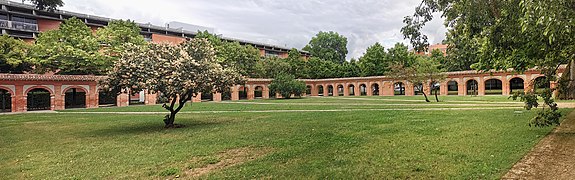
{"points": [[358, 144]]}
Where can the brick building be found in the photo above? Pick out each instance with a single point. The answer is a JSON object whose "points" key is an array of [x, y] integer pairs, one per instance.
{"points": [[25, 22]]}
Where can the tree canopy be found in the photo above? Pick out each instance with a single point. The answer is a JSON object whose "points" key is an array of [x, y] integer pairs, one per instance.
{"points": [[14, 55], [241, 57], [328, 46], [49, 5], [116, 35], [179, 72]]}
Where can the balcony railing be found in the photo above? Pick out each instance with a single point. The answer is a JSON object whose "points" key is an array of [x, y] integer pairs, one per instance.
{"points": [[24, 26], [18, 25]]}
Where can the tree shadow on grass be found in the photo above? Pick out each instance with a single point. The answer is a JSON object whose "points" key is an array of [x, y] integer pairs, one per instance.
{"points": [[141, 128]]}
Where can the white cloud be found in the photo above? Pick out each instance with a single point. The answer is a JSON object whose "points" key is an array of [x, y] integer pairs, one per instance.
{"points": [[289, 23]]}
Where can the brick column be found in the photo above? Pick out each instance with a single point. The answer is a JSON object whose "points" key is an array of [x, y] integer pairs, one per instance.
{"points": [[58, 101], [427, 87], [235, 93], [197, 98], [356, 89], [383, 87], [93, 102], [462, 88], [369, 89], [20, 102], [409, 89], [217, 97], [481, 86], [325, 90], [346, 90], [149, 98], [123, 100], [251, 93], [443, 89], [266, 92], [505, 85]]}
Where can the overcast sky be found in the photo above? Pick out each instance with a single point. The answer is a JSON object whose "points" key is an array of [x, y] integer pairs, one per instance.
{"points": [[290, 23]]}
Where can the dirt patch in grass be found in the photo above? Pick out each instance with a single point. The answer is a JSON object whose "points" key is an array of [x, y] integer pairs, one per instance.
{"points": [[228, 158], [552, 158]]}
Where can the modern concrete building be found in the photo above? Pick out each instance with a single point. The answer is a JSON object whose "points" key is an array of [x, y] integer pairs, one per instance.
{"points": [[25, 22]]}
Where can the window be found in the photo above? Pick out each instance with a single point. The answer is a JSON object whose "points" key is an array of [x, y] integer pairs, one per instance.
{"points": [[272, 53], [3, 17], [24, 20]]}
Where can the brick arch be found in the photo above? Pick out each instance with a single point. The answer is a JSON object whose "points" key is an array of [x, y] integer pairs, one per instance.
{"points": [[8, 89], [77, 87], [39, 87]]}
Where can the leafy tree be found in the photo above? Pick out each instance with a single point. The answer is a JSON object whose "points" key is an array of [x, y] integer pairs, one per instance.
{"points": [[317, 68], [243, 58], [116, 35], [14, 55], [273, 66], [518, 34], [72, 49], [349, 69], [287, 85], [49, 5], [399, 54], [178, 72], [296, 63], [328, 46], [423, 73], [374, 61]]}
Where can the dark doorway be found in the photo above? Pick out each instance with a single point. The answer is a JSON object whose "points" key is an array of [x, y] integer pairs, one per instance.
{"points": [[38, 99], [5, 101], [75, 98]]}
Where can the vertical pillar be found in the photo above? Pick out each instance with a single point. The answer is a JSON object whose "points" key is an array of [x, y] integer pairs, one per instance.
{"points": [[123, 100], [346, 89], [481, 86], [356, 90], [266, 92], [369, 89], [235, 93], [505, 85], [427, 87], [150, 99], [462, 87], [409, 89], [20, 101], [335, 90], [251, 92], [325, 90], [57, 100], [217, 97], [197, 98], [443, 88], [314, 90], [527, 85], [93, 102]]}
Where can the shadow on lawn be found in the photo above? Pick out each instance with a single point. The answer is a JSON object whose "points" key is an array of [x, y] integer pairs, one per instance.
{"points": [[123, 129]]}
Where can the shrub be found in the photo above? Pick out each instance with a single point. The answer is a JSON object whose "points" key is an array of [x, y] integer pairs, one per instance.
{"points": [[287, 85]]}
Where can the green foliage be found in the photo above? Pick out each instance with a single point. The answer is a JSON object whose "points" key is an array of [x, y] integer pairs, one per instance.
{"points": [[178, 72], [424, 73], [14, 55], [287, 85], [296, 64], [49, 5], [374, 62], [328, 46], [116, 35], [318, 68], [518, 34], [243, 58], [272, 66], [169, 172], [72, 49]]}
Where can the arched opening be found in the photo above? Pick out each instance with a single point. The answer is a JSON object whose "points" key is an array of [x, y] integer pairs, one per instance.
{"points": [[375, 89], [308, 90], [227, 95], [399, 89], [75, 98], [418, 89], [351, 90], [540, 83], [320, 90], [207, 96], [243, 92], [39, 99], [340, 90], [107, 98], [516, 85], [5, 101], [493, 87], [259, 92], [435, 88], [472, 87], [363, 90], [138, 98], [330, 90], [452, 88]]}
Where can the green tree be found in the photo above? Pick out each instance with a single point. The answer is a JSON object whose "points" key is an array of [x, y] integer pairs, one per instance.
{"points": [[116, 35], [271, 67], [399, 54], [242, 57], [424, 73], [179, 72], [14, 55], [49, 5], [317, 68], [518, 34], [297, 64], [374, 61], [72, 49], [287, 85], [328, 46]]}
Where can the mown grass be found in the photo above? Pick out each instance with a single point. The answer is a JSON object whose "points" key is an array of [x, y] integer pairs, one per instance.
{"points": [[447, 144]]}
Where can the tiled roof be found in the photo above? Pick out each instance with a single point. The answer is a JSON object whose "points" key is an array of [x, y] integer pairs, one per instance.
{"points": [[39, 77]]}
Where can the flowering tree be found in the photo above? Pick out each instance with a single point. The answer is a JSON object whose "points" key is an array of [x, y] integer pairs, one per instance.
{"points": [[179, 72]]}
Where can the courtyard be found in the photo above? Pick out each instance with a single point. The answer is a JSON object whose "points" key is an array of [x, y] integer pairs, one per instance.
{"points": [[327, 137]]}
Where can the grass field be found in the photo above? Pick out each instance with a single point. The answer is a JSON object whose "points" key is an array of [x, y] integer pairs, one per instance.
{"points": [[360, 137]]}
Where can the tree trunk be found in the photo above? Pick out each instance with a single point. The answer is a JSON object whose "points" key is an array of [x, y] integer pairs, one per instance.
{"points": [[169, 119], [570, 90], [436, 98], [424, 95]]}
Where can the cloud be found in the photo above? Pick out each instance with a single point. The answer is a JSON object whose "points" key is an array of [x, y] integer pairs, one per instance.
{"points": [[290, 23]]}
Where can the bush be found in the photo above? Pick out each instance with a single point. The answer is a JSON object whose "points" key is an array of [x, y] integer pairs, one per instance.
{"points": [[287, 85]]}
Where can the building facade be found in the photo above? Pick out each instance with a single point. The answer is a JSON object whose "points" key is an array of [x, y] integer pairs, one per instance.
{"points": [[25, 22]]}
